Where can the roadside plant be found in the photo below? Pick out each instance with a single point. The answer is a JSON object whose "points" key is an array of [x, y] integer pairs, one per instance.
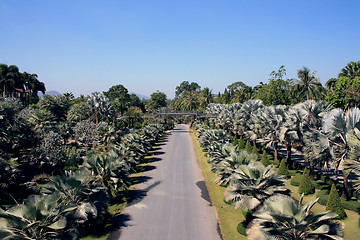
{"points": [[252, 184], [284, 218]]}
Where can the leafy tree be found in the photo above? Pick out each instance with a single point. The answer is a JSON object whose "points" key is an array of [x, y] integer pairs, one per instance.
{"points": [[157, 101], [344, 92], [284, 218], [334, 203], [235, 141], [51, 149], [119, 97], [185, 86], [306, 186]]}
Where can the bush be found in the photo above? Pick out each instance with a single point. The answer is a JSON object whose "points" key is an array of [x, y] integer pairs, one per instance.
{"points": [[241, 144], [323, 196], [248, 147], [235, 141], [282, 170], [255, 150], [295, 181], [241, 228], [334, 203], [265, 159], [351, 205], [306, 187]]}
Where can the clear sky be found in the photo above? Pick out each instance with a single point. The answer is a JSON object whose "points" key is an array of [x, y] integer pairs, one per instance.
{"points": [[83, 46]]}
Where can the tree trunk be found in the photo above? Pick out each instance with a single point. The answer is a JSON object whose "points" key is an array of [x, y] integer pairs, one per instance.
{"points": [[288, 156], [311, 173], [345, 193], [275, 152]]}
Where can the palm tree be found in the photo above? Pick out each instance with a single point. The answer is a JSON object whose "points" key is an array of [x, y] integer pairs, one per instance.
{"points": [[284, 218], [338, 126], [252, 184], [308, 84], [269, 123], [353, 161], [9, 79], [228, 166], [205, 97], [351, 70]]}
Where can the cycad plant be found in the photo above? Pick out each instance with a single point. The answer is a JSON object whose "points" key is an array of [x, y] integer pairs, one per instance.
{"points": [[284, 218]]}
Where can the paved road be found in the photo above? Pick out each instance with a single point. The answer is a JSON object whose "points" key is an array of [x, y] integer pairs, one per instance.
{"points": [[172, 203]]}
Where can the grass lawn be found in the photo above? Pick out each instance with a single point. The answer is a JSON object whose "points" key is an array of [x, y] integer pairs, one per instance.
{"points": [[351, 230], [227, 215], [116, 208]]}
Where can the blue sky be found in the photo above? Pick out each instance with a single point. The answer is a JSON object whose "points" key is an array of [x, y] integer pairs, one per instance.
{"points": [[84, 46]]}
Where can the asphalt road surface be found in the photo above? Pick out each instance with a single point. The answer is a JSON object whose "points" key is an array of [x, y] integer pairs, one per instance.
{"points": [[172, 202]]}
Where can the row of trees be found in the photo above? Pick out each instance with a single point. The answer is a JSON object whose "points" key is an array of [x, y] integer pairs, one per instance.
{"points": [[261, 193], [341, 92], [321, 131], [64, 159]]}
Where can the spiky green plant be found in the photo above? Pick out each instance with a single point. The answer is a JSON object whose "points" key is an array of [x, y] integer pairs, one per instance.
{"points": [[286, 219], [252, 184]]}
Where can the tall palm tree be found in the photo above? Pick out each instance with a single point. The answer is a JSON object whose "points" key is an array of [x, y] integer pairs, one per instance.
{"points": [[269, 123], [286, 219], [205, 97], [351, 70], [308, 84]]}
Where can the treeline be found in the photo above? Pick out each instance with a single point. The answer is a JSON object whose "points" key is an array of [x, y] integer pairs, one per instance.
{"points": [[341, 92]]}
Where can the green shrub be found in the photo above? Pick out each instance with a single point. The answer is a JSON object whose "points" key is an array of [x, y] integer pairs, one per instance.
{"points": [[323, 196], [255, 150], [241, 228], [334, 203], [295, 181], [235, 141], [282, 170], [292, 172], [265, 159], [306, 186], [241, 144], [351, 205], [248, 147]]}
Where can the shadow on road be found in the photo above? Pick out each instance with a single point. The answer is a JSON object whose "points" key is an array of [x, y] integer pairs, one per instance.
{"points": [[204, 191], [159, 153], [138, 195], [140, 179], [119, 222]]}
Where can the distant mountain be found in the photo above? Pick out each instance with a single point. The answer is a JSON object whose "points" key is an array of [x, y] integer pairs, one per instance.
{"points": [[49, 93], [141, 96]]}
